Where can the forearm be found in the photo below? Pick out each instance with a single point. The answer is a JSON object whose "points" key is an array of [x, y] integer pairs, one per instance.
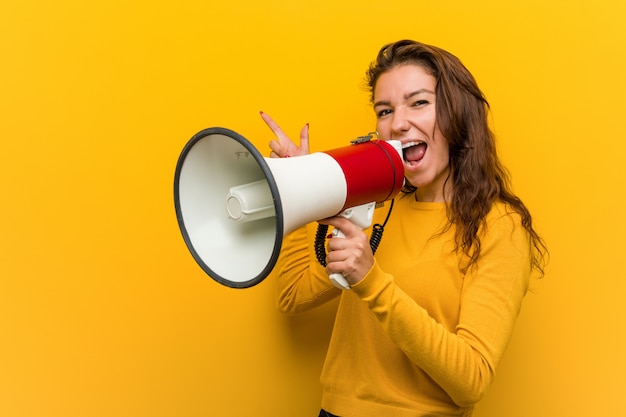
{"points": [[461, 357], [461, 371]]}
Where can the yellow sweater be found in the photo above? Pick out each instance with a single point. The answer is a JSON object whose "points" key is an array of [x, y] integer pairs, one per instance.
{"points": [[421, 334]]}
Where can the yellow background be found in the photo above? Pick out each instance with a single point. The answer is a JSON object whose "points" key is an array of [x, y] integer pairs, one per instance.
{"points": [[103, 311]]}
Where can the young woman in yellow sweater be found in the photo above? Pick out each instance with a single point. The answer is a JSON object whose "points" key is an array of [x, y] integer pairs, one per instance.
{"points": [[427, 319]]}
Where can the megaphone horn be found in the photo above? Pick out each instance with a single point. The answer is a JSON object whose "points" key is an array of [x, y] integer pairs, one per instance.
{"points": [[234, 206]]}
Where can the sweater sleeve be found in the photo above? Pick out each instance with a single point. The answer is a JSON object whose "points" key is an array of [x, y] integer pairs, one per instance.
{"points": [[301, 282], [462, 361]]}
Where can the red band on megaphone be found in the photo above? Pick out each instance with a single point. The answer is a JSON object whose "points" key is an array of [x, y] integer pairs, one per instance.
{"points": [[373, 171]]}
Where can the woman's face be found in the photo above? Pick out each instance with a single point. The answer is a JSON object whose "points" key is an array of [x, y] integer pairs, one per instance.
{"points": [[405, 106]]}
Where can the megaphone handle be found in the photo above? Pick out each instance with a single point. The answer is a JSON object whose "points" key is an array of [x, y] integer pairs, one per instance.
{"points": [[336, 278]]}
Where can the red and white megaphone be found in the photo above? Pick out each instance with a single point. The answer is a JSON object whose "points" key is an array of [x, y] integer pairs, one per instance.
{"points": [[234, 206]]}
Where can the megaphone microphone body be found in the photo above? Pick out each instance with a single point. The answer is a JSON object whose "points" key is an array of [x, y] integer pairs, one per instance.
{"points": [[234, 206]]}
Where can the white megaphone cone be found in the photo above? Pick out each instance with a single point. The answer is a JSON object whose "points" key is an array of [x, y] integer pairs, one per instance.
{"points": [[234, 206]]}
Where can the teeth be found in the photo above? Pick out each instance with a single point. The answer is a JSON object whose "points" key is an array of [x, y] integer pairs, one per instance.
{"points": [[412, 143]]}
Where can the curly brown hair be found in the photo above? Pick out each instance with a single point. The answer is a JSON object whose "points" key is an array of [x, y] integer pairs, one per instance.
{"points": [[478, 178]]}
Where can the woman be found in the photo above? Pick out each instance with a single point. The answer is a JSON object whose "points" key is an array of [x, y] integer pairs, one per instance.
{"points": [[427, 320]]}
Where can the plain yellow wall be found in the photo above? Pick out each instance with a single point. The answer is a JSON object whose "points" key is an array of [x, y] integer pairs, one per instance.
{"points": [[103, 311]]}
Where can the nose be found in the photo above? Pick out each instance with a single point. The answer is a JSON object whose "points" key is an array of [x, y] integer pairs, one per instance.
{"points": [[399, 122]]}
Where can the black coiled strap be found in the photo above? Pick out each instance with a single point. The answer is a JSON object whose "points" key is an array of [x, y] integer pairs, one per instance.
{"points": [[320, 241], [322, 232], [376, 237]]}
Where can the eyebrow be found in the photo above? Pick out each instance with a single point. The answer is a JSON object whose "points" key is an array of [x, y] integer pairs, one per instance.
{"points": [[406, 96]]}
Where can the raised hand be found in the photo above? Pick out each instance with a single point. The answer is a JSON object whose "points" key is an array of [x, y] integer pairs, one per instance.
{"points": [[282, 146]]}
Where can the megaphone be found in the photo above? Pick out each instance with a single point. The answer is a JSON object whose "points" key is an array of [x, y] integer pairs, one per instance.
{"points": [[234, 206]]}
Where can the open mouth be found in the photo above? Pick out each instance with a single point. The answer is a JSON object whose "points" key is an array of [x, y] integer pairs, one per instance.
{"points": [[413, 151]]}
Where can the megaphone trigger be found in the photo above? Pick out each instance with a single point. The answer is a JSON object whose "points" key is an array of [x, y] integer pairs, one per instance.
{"points": [[360, 215]]}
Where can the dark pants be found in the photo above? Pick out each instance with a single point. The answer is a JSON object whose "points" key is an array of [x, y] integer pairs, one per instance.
{"points": [[324, 413]]}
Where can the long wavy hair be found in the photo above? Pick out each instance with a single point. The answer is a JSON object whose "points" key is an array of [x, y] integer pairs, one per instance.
{"points": [[478, 178]]}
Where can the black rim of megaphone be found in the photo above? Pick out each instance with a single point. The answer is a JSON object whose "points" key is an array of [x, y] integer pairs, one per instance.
{"points": [[275, 196]]}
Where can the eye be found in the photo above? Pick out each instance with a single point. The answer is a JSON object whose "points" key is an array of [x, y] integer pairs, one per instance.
{"points": [[420, 103], [383, 112]]}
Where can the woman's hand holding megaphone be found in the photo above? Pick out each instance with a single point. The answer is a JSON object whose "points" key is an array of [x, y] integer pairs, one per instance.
{"points": [[350, 256], [282, 146]]}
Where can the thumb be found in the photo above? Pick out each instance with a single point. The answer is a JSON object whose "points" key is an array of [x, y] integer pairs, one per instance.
{"points": [[304, 140]]}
